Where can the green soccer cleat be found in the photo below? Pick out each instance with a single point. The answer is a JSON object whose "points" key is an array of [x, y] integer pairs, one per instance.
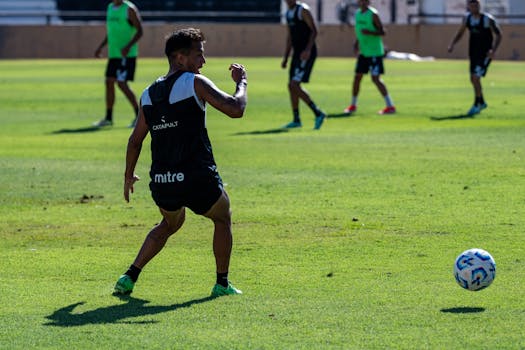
{"points": [[292, 125], [102, 123], [124, 285], [219, 290], [473, 110], [319, 121]]}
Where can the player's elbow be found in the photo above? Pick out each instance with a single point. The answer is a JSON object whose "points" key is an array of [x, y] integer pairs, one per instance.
{"points": [[236, 107], [237, 112]]}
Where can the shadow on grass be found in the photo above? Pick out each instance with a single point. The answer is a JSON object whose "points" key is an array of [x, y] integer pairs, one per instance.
{"points": [[453, 117], [463, 310], [78, 131], [262, 132], [340, 115], [65, 317]]}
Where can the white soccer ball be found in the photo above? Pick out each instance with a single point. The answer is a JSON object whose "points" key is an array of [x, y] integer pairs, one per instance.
{"points": [[475, 269]]}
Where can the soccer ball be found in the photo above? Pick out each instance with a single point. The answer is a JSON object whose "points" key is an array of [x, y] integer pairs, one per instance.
{"points": [[475, 269]]}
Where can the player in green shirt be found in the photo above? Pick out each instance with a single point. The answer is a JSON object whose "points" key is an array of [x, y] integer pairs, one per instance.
{"points": [[369, 45], [124, 29]]}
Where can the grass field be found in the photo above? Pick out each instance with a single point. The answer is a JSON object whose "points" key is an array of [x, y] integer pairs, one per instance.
{"points": [[344, 237]]}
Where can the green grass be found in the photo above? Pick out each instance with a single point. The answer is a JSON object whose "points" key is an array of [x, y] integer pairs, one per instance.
{"points": [[344, 237]]}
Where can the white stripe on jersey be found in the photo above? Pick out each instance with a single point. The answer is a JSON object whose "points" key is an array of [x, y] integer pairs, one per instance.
{"points": [[182, 89]]}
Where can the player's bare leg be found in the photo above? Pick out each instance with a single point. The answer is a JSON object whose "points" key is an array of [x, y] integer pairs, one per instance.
{"points": [[389, 109], [297, 92], [479, 102], [110, 101], [222, 235], [153, 244], [156, 239], [130, 95], [220, 214]]}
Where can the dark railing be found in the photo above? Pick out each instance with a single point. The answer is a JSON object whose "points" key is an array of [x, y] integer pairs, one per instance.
{"points": [[150, 16], [411, 17]]}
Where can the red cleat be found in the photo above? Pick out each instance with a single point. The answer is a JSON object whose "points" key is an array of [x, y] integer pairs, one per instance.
{"points": [[350, 109], [388, 110]]}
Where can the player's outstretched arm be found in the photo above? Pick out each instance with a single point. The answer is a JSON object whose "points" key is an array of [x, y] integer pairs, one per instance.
{"points": [[458, 36], [133, 152], [231, 105]]}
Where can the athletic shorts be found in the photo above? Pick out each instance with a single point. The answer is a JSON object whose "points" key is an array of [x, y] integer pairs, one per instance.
{"points": [[198, 192], [479, 65], [374, 65], [300, 70], [122, 69]]}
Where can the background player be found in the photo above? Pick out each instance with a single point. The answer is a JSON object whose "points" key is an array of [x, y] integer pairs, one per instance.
{"points": [[370, 50], [302, 32], [482, 48], [123, 31]]}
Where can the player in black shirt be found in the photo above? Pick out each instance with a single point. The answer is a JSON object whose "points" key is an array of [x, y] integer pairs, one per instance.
{"points": [[302, 32], [482, 48], [183, 170]]}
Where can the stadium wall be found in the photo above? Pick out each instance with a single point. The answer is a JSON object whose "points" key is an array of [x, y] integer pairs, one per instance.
{"points": [[248, 40]]}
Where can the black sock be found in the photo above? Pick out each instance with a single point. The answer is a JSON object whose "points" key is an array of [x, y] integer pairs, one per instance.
{"points": [[136, 112], [314, 108], [481, 100], [109, 114], [133, 272], [296, 117], [222, 279]]}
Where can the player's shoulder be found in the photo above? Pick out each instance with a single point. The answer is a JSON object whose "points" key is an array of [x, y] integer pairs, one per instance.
{"points": [[373, 10], [304, 6], [489, 16], [131, 6]]}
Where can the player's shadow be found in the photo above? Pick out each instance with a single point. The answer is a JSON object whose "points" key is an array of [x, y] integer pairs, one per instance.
{"points": [[66, 317], [340, 115], [78, 131], [452, 117], [463, 310], [262, 132]]}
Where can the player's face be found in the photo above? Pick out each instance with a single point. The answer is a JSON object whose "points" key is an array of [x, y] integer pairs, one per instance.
{"points": [[195, 60], [363, 4], [291, 3], [473, 7]]}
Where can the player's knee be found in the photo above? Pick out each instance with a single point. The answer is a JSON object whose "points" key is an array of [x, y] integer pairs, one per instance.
{"points": [[225, 219], [172, 223], [294, 85], [123, 85]]}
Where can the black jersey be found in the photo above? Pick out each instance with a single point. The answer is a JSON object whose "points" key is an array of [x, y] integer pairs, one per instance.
{"points": [[480, 33], [299, 30], [176, 119]]}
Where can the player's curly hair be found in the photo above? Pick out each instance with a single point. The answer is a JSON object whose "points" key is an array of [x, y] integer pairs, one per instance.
{"points": [[182, 40]]}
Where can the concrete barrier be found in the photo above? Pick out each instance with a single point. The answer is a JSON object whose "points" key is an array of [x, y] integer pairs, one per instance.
{"points": [[244, 40]]}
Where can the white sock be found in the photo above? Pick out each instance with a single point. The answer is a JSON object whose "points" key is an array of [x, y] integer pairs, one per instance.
{"points": [[354, 101]]}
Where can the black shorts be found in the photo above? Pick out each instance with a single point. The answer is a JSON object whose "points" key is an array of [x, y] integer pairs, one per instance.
{"points": [[300, 70], [122, 69], [479, 65], [374, 65], [196, 191]]}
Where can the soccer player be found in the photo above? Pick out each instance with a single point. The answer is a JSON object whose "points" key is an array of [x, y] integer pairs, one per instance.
{"points": [[370, 50], [482, 47], [302, 32], [183, 171], [123, 31]]}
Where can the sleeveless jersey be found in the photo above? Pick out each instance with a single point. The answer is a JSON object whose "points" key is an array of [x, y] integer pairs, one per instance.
{"points": [[369, 45], [480, 41], [299, 30], [119, 30], [176, 120]]}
